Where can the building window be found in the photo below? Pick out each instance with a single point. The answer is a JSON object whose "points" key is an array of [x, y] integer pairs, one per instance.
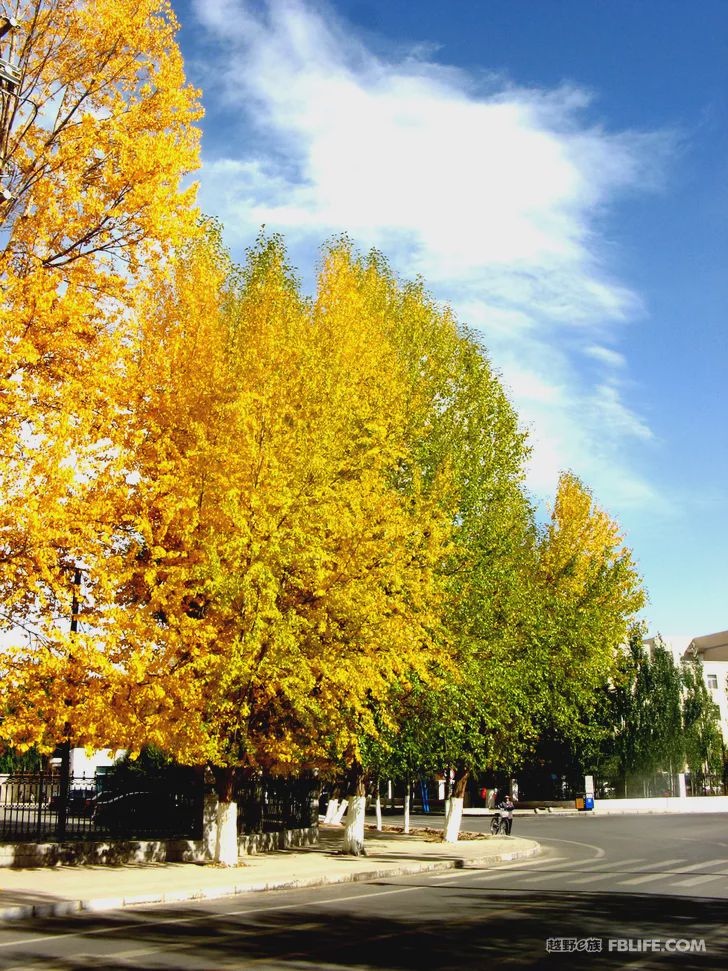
{"points": [[712, 680]]}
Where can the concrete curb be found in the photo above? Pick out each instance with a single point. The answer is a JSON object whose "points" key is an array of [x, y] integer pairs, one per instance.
{"points": [[64, 908]]}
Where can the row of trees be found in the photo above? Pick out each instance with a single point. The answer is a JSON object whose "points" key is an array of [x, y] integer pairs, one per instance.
{"points": [[652, 719], [658, 716], [300, 523]]}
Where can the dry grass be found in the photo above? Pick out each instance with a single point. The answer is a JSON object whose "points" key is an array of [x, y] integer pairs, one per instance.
{"points": [[427, 833]]}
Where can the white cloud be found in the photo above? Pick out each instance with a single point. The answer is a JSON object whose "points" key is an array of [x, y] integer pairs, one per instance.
{"points": [[492, 192], [615, 417], [607, 356]]}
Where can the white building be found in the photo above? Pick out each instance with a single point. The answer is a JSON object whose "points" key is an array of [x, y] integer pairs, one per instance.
{"points": [[712, 649], [83, 763]]}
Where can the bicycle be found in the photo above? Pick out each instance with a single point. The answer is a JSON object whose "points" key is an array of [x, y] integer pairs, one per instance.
{"points": [[502, 822]]}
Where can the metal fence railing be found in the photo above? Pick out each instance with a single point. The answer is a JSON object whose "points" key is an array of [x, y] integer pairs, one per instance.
{"points": [[38, 807], [706, 784], [122, 804], [269, 805]]}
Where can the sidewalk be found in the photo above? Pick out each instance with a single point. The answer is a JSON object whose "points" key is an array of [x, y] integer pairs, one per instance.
{"points": [[54, 892]]}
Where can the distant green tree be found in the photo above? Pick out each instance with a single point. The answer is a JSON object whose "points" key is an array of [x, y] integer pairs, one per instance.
{"points": [[30, 761], [643, 705], [151, 765], [701, 724]]}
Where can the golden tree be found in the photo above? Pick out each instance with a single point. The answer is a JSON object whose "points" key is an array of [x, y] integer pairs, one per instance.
{"points": [[94, 139], [590, 594], [258, 579]]}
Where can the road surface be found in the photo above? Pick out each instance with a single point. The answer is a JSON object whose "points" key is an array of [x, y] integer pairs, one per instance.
{"points": [[632, 884]]}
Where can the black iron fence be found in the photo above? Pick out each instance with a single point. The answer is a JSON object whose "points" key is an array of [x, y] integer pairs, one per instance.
{"points": [[123, 804], [706, 784], [38, 807], [269, 805]]}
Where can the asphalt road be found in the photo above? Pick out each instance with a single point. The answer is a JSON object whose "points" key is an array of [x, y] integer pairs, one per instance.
{"points": [[628, 884], [683, 855]]}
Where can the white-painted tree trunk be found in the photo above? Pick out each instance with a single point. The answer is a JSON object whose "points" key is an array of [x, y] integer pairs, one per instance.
{"points": [[209, 826], [354, 833], [407, 810], [331, 810], [378, 809], [339, 815], [226, 843], [453, 819]]}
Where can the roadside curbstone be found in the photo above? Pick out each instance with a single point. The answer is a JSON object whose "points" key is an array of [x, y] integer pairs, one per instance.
{"points": [[99, 903], [61, 908]]}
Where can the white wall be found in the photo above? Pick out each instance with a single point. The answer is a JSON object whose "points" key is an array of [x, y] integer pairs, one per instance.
{"points": [[83, 763], [690, 804], [719, 696], [678, 645]]}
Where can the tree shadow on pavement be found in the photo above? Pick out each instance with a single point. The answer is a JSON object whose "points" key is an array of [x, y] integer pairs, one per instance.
{"points": [[454, 928]]}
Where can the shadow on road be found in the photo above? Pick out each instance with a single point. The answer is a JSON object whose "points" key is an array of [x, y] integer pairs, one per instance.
{"points": [[454, 928]]}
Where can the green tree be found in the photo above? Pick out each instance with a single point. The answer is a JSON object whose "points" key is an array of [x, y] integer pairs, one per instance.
{"points": [[703, 739], [475, 712], [30, 761], [645, 707]]}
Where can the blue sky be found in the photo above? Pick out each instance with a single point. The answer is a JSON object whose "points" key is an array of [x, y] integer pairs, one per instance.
{"points": [[556, 169]]}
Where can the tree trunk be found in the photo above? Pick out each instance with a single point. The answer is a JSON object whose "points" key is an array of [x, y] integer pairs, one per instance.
{"points": [[333, 805], [356, 814], [378, 808], [407, 790], [455, 807], [226, 840]]}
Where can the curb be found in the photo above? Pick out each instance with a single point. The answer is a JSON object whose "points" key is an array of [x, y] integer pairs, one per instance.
{"points": [[64, 908]]}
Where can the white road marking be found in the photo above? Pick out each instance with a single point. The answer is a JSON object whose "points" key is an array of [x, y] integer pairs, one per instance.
{"points": [[592, 878], [545, 862], [614, 866], [518, 865], [627, 864], [608, 870], [512, 872], [705, 865], [634, 881], [540, 877], [694, 881], [599, 853]]}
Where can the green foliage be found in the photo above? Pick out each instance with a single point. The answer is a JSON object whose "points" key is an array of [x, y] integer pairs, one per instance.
{"points": [[151, 760], [701, 723], [29, 761], [637, 728]]}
